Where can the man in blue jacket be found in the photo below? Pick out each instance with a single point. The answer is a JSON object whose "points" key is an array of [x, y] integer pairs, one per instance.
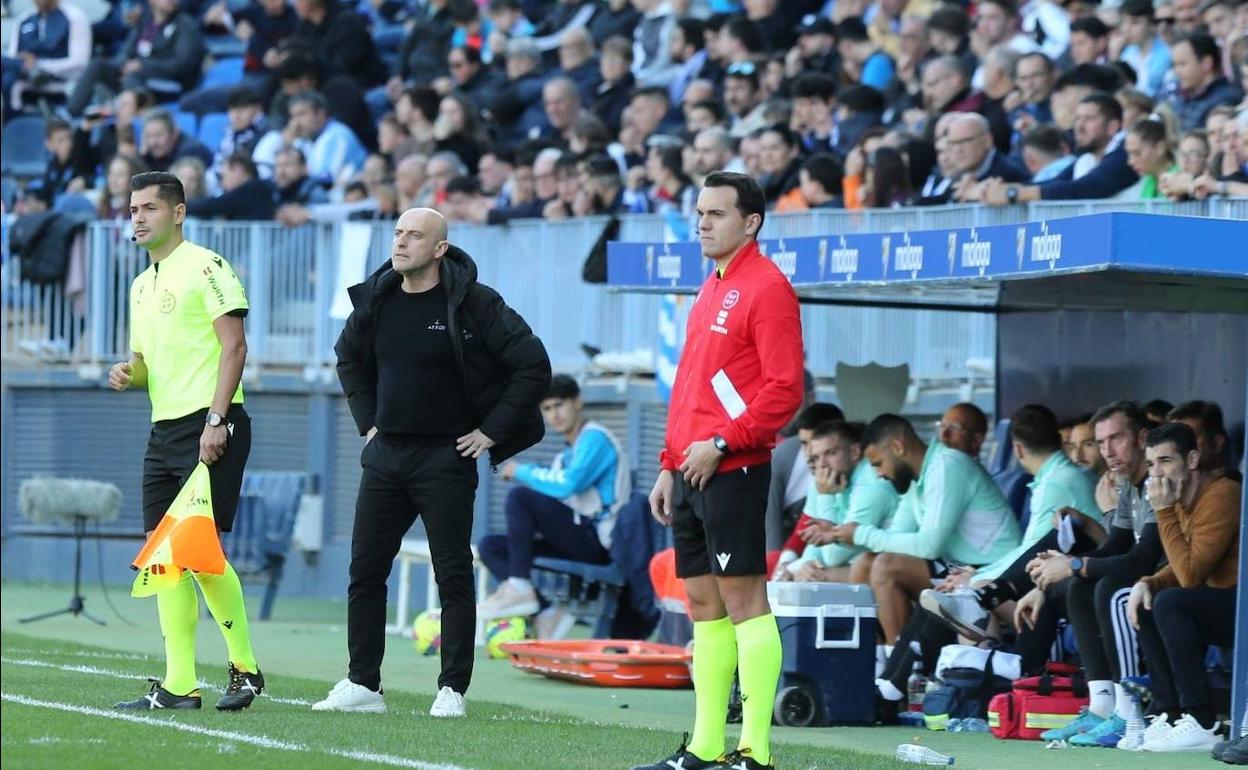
{"points": [[1100, 137], [566, 510]]}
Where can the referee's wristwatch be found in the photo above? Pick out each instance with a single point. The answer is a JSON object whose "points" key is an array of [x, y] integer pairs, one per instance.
{"points": [[214, 420], [721, 444]]}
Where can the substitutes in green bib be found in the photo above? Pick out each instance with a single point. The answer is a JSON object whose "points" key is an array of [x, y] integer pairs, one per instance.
{"points": [[172, 306]]}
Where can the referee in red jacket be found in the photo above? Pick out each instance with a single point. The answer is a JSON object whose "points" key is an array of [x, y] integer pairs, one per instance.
{"points": [[738, 383]]}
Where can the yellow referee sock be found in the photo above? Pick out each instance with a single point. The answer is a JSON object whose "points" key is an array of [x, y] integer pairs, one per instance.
{"points": [[178, 608], [224, 596], [759, 659], [714, 662]]}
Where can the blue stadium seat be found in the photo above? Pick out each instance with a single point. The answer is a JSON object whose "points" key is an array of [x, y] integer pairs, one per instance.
{"points": [[212, 127], [224, 72], [263, 528], [22, 154], [188, 122], [222, 46], [1009, 476]]}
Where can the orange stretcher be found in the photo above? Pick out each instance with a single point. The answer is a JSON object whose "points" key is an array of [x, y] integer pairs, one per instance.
{"points": [[604, 662]]}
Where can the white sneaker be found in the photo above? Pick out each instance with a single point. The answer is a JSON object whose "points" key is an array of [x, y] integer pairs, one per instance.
{"points": [[1185, 735], [448, 704], [508, 602], [959, 610], [349, 696]]}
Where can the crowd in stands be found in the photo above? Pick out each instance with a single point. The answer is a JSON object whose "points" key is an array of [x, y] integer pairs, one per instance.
{"points": [[492, 110]]}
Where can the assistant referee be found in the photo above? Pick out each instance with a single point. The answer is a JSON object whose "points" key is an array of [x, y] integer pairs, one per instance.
{"points": [[738, 383], [187, 349]]}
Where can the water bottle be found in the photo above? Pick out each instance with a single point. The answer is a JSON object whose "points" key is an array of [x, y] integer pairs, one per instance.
{"points": [[921, 755], [916, 688], [973, 725]]}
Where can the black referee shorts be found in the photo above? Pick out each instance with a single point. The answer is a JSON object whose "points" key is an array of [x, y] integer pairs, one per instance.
{"points": [[173, 452], [721, 530]]}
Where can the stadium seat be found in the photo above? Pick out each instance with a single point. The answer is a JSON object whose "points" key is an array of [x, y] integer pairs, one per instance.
{"points": [[187, 122], [263, 528], [1002, 449], [22, 154], [223, 72], [222, 46], [590, 592], [212, 128]]}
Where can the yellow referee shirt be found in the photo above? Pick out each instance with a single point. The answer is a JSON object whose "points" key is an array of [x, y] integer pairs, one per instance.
{"points": [[172, 306]]}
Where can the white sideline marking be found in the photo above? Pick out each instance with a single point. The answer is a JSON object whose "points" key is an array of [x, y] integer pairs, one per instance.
{"points": [[81, 669], [255, 740], [84, 654]]}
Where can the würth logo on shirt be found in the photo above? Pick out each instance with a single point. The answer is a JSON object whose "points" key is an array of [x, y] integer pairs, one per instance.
{"points": [[437, 326]]}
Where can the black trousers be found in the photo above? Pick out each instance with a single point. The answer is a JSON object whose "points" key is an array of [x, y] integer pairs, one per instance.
{"points": [[401, 481], [931, 634], [539, 525], [1097, 610], [1174, 637], [1031, 644]]}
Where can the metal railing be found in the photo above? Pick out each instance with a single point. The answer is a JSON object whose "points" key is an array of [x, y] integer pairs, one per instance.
{"points": [[292, 277]]}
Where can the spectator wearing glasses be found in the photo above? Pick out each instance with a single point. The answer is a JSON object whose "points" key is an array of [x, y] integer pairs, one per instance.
{"points": [[974, 158], [741, 91], [1164, 18], [469, 76], [963, 427]]}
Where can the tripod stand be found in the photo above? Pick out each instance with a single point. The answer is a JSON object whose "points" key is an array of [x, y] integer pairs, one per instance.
{"points": [[75, 607]]}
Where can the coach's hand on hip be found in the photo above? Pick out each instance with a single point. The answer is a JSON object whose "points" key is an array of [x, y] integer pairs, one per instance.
{"points": [[212, 443], [474, 444], [701, 461], [119, 376], [661, 499]]}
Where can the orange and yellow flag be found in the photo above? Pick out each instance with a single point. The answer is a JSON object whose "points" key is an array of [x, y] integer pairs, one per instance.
{"points": [[186, 538]]}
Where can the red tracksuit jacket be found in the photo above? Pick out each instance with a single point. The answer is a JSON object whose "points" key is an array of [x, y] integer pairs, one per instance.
{"points": [[740, 375]]}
